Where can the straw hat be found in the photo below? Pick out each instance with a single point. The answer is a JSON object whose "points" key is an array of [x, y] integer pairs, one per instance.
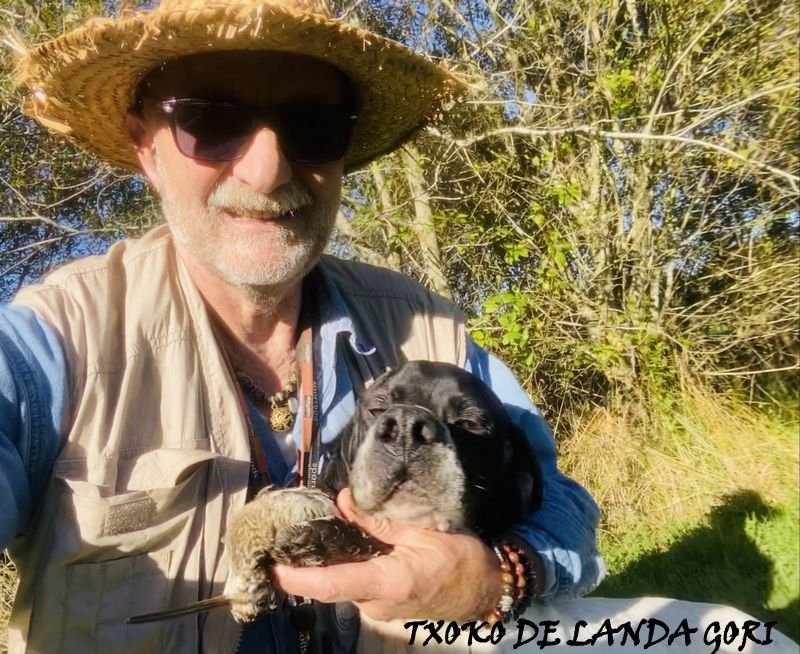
{"points": [[83, 82]]}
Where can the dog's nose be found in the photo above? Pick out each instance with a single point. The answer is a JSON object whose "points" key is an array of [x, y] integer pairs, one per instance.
{"points": [[409, 427]]}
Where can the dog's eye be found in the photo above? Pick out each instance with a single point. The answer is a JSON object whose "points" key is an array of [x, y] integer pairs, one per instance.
{"points": [[375, 411], [471, 425]]}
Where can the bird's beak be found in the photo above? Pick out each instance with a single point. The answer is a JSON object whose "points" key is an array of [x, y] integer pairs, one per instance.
{"points": [[189, 609]]}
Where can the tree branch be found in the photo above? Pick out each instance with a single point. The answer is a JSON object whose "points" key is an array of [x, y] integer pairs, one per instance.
{"points": [[590, 130]]}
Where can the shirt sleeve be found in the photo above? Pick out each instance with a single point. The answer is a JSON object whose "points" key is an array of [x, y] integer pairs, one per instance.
{"points": [[32, 399], [564, 529]]}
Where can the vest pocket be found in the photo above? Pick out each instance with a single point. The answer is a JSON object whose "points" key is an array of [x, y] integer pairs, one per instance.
{"points": [[115, 556], [112, 591]]}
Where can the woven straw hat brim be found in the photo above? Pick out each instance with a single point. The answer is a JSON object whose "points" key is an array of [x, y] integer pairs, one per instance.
{"points": [[83, 82]]}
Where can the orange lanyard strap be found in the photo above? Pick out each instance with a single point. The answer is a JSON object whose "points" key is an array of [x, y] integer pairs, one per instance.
{"points": [[258, 462], [308, 453]]}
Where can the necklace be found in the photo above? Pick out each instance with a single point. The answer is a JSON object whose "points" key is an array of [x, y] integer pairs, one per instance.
{"points": [[282, 406]]}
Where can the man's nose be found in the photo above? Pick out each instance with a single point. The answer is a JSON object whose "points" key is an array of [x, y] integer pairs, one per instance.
{"points": [[263, 166]]}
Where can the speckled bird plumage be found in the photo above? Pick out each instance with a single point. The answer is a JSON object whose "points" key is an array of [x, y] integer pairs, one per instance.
{"points": [[296, 526]]}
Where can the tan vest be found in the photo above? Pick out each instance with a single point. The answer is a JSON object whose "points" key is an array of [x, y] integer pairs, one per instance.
{"points": [[156, 452]]}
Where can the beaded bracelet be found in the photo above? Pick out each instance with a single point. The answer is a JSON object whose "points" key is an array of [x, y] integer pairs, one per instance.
{"points": [[519, 582]]}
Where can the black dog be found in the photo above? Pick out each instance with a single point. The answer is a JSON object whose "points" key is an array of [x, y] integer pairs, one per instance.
{"points": [[429, 445]]}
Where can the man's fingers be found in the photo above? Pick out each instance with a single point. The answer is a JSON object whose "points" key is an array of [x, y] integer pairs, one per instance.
{"points": [[380, 528], [336, 583], [346, 504]]}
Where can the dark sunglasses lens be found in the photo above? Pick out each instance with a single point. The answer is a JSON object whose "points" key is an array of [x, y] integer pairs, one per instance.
{"points": [[313, 132], [212, 131]]}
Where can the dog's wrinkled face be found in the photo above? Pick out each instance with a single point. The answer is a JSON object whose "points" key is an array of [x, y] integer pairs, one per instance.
{"points": [[431, 445]]}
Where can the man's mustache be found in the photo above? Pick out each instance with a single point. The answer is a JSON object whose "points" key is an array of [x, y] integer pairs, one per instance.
{"points": [[233, 195]]}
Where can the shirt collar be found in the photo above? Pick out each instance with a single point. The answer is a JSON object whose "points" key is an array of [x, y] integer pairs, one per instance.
{"points": [[334, 323]]}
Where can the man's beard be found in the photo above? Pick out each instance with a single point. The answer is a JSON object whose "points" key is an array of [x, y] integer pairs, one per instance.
{"points": [[252, 258]]}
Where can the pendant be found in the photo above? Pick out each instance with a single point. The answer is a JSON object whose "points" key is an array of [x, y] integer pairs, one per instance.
{"points": [[293, 405], [280, 418]]}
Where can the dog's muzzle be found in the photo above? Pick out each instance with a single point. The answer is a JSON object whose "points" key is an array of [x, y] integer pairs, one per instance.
{"points": [[406, 428], [407, 469]]}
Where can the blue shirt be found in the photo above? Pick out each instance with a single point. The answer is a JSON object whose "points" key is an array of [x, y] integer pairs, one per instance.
{"points": [[32, 408]]}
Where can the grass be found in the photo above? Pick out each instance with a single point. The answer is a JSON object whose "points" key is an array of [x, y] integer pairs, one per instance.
{"points": [[8, 585], [741, 554], [700, 502]]}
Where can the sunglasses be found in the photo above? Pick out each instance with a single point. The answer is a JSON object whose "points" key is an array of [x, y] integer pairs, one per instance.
{"points": [[216, 131]]}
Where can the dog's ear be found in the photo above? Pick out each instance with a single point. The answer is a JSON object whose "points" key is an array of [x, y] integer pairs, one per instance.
{"points": [[335, 473], [519, 490]]}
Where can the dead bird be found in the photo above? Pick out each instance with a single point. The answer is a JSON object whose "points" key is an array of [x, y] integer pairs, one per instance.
{"points": [[297, 526]]}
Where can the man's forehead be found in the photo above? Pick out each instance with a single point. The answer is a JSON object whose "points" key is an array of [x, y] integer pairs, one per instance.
{"points": [[262, 77]]}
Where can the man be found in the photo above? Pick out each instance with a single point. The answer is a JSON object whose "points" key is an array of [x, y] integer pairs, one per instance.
{"points": [[142, 390]]}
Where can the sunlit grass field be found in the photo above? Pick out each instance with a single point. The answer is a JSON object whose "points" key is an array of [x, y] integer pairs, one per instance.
{"points": [[700, 503]]}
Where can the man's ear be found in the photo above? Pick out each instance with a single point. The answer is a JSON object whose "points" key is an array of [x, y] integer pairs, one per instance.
{"points": [[143, 138]]}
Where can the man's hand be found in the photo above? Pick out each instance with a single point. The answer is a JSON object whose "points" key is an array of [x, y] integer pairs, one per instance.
{"points": [[428, 575]]}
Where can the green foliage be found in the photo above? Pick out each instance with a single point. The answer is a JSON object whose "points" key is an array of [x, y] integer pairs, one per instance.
{"points": [[620, 86], [596, 260]]}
